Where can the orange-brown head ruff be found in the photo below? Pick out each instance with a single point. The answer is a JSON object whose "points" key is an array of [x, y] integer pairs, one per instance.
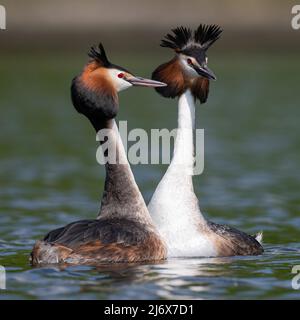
{"points": [[188, 69], [95, 77]]}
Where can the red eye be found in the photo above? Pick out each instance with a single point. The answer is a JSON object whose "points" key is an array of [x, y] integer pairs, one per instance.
{"points": [[121, 75], [189, 61]]}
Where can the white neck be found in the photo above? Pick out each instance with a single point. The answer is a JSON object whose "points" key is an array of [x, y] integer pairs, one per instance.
{"points": [[174, 206], [183, 156]]}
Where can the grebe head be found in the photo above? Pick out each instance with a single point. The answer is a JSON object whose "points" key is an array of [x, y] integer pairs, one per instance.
{"points": [[189, 68], [95, 90]]}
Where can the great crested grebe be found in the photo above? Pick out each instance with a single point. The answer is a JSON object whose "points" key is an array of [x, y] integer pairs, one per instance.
{"points": [[123, 231], [174, 206]]}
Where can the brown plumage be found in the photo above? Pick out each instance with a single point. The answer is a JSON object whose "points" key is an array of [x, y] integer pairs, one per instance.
{"points": [[105, 240], [232, 242], [95, 77], [96, 252], [178, 82], [200, 89], [171, 73]]}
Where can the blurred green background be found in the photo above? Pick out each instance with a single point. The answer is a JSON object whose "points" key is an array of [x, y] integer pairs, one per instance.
{"points": [[138, 25], [49, 175]]}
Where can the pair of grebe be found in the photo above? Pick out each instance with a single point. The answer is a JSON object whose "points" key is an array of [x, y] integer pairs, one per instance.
{"points": [[172, 225]]}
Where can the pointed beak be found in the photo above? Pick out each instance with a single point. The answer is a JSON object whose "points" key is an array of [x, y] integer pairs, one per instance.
{"points": [[142, 82], [205, 72]]}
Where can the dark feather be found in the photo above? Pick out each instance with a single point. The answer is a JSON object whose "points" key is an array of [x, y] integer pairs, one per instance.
{"points": [[237, 242], [204, 35], [98, 54], [180, 38], [200, 89], [107, 231]]}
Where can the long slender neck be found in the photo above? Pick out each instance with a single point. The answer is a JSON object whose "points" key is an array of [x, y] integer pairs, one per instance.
{"points": [[121, 196], [184, 146], [174, 205]]}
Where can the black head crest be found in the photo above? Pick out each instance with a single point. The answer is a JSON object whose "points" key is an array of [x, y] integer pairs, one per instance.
{"points": [[98, 54], [206, 35], [177, 41], [182, 37]]}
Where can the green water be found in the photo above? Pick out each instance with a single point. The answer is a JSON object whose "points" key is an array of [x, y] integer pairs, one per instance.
{"points": [[49, 177]]}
